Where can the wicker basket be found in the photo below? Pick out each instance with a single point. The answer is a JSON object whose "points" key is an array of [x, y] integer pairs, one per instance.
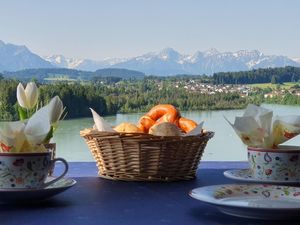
{"points": [[144, 157]]}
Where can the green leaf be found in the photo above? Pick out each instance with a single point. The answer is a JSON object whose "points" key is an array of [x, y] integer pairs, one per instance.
{"points": [[22, 113]]}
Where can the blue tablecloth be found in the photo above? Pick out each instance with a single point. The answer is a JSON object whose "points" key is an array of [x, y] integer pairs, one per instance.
{"points": [[96, 201]]}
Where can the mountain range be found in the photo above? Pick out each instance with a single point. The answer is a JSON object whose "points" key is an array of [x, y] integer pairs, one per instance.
{"points": [[18, 57], [165, 62]]}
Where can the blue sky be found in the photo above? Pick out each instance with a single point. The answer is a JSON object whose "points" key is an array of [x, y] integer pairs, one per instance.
{"points": [[97, 29]]}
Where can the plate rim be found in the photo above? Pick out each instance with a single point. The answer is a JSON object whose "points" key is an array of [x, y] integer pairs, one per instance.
{"points": [[223, 204], [226, 174]]}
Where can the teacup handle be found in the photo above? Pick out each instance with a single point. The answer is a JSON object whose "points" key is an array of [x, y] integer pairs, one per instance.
{"points": [[62, 175]]}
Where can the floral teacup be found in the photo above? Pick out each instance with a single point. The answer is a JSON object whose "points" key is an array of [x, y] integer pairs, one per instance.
{"points": [[280, 164], [27, 170]]}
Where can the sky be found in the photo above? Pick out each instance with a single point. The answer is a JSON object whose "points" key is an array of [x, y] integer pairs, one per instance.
{"points": [[97, 29]]}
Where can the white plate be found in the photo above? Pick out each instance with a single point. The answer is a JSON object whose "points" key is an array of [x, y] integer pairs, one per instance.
{"points": [[263, 201], [23, 195], [246, 175]]}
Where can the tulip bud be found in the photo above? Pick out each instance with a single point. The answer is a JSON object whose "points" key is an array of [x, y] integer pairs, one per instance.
{"points": [[21, 96], [56, 109], [32, 94], [28, 97]]}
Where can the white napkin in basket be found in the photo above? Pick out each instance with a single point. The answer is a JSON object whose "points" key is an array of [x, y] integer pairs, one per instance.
{"points": [[100, 123], [196, 131]]}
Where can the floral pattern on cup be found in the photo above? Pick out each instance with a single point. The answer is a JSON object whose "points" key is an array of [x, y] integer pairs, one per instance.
{"points": [[281, 164], [26, 170]]}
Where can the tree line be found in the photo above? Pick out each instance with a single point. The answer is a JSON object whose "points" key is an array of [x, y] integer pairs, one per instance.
{"points": [[124, 96], [111, 95], [268, 75]]}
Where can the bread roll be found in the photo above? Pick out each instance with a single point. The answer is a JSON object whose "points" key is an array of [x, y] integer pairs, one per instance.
{"points": [[165, 129], [127, 128]]}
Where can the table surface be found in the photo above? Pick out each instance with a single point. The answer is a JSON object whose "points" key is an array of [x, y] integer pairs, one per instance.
{"points": [[94, 200]]}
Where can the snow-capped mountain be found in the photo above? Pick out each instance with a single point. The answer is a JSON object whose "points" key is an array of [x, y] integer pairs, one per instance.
{"points": [[71, 63], [170, 62], [296, 60], [165, 62], [81, 64], [16, 57], [61, 61]]}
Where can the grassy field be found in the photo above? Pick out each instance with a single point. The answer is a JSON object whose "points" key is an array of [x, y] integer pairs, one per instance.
{"points": [[286, 85]]}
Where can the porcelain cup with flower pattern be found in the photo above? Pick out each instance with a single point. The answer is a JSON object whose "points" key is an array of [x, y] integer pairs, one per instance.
{"points": [[27, 170], [280, 164]]}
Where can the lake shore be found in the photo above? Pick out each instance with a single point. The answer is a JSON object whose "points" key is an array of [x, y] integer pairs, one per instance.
{"points": [[224, 146]]}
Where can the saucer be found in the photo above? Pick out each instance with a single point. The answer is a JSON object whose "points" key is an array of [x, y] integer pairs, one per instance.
{"points": [[260, 201], [246, 175], [22, 195]]}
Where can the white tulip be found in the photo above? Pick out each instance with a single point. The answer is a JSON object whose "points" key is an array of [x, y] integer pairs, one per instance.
{"points": [[21, 96], [28, 97], [56, 109], [32, 94]]}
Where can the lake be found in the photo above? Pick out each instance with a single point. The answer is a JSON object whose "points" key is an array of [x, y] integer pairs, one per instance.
{"points": [[224, 146]]}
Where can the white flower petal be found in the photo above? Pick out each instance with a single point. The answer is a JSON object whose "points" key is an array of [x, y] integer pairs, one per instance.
{"points": [[21, 96], [56, 109], [31, 92]]}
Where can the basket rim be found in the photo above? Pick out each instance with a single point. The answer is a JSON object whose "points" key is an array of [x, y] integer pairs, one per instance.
{"points": [[89, 132]]}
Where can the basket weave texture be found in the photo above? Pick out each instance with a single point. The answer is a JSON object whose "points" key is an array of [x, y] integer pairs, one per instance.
{"points": [[144, 157]]}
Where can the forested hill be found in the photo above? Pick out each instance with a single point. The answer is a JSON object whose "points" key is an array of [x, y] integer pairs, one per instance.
{"points": [[269, 75], [41, 74], [116, 72]]}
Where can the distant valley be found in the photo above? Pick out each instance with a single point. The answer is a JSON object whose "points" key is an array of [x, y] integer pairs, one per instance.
{"points": [[64, 74]]}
